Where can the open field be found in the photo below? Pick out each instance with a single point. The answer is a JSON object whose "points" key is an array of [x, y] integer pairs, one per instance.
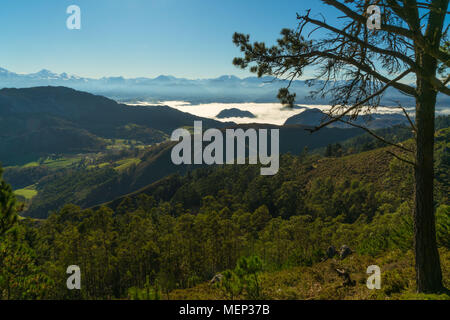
{"points": [[126, 163], [28, 193]]}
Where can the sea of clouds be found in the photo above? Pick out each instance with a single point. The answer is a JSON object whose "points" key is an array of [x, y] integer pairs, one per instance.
{"points": [[272, 113]]}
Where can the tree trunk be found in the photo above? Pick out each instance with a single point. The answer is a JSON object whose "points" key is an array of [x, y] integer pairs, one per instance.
{"points": [[428, 268]]}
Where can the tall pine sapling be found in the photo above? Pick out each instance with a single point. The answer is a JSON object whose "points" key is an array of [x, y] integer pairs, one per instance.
{"points": [[355, 66], [8, 214]]}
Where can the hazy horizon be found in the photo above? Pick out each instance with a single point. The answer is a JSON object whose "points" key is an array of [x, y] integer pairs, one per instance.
{"points": [[139, 37]]}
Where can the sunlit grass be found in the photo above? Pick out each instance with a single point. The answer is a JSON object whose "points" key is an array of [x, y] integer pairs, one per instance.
{"points": [[321, 281], [28, 192], [62, 162], [126, 163], [31, 164]]}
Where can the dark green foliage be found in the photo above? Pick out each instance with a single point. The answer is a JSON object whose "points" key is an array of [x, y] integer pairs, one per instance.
{"points": [[27, 137], [149, 292], [442, 164], [367, 142], [8, 215], [243, 279], [442, 122], [394, 282], [20, 275], [443, 225], [153, 164], [183, 230], [39, 121], [333, 150], [55, 191], [348, 198], [388, 231], [20, 177]]}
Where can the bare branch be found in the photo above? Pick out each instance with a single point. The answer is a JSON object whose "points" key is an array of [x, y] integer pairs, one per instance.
{"points": [[373, 48], [417, 37], [407, 116], [438, 85], [373, 134], [361, 19], [334, 119], [400, 86], [401, 159]]}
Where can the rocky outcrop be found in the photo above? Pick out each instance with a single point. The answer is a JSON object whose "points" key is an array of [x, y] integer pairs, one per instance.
{"points": [[345, 252]]}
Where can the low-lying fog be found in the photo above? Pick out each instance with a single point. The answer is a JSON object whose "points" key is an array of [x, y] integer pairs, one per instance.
{"points": [[273, 113]]}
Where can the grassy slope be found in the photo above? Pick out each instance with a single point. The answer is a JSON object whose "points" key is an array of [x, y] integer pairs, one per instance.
{"points": [[370, 166], [28, 192], [320, 281]]}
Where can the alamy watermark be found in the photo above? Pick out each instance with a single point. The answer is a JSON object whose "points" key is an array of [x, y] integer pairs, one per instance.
{"points": [[73, 22], [235, 139], [374, 19], [74, 280], [374, 281]]}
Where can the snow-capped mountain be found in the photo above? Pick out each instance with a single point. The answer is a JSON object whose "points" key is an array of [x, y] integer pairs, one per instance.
{"points": [[164, 87], [227, 88], [41, 76]]}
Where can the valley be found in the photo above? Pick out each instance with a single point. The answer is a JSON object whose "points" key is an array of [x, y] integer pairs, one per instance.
{"points": [[80, 168], [240, 151], [119, 157]]}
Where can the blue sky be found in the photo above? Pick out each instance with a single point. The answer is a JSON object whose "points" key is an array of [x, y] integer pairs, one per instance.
{"points": [[134, 38]]}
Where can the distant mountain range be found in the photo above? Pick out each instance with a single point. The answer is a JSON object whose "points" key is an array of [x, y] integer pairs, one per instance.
{"points": [[315, 117], [222, 89]]}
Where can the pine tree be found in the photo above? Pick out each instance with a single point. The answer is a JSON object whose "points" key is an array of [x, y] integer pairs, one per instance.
{"points": [[355, 66], [8, 214]]}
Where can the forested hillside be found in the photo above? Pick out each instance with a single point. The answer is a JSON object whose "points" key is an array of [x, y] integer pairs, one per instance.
{"points": [[50, 120], [96, 178], [269, 237]]}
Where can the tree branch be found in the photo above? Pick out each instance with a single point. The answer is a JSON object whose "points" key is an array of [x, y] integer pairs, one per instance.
{"points": [[438, 85], [408, 90], [367, 45], [360, 103], [417, 37], [361, 19], [407, 116], [401, 159], [373, 134]]}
